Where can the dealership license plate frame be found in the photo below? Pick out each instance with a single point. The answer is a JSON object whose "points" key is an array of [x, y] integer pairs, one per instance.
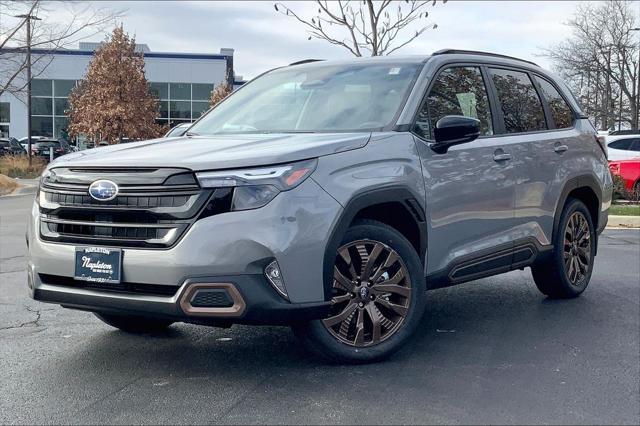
{"points": [[98, 264]]}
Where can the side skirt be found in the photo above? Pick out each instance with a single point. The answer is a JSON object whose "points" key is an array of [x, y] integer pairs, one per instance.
{"points": [[497, 260]]}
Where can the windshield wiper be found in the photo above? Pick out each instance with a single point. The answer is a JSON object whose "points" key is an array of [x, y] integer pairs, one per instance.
{"points": [[191, 134]]}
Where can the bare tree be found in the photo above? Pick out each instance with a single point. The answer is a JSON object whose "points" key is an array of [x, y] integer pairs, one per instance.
{"points": [[600, 62], [83, 21], [366, 27]]}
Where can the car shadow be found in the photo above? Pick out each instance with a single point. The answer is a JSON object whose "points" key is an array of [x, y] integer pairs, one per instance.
{"points": [[458, 322]]}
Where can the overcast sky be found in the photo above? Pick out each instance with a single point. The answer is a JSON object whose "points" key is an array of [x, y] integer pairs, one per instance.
{"points": [[264, 39]]}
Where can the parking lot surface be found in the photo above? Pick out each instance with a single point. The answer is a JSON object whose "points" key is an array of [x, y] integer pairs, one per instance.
{"points": [[490, 351]]}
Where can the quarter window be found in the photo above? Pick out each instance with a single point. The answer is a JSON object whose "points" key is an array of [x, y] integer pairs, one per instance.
{"points": [[624, 144], [560, 110], [456, 91], [521, 106]]}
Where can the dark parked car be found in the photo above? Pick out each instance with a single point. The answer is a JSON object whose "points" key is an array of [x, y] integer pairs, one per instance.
{"points": [[42, 147], [24, 142], [10, 146]]}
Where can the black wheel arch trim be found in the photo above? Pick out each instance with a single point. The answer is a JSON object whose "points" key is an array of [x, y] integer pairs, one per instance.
{"points": [[360, 201], [582, 181]]}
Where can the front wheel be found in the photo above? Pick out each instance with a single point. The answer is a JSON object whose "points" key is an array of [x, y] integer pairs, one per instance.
{"points": [[133, 324], [378, 297]]}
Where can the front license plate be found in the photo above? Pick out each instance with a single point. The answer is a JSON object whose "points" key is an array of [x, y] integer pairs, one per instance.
{"points": [[98, 264]]}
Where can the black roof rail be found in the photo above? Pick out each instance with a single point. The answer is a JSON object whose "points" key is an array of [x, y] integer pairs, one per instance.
{"points": [[305, 61], [474, 52]]}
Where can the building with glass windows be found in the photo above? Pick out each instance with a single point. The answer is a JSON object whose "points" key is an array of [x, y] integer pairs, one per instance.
{"points": [[181, 81]]}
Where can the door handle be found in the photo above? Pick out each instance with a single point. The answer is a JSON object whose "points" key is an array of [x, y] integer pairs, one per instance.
{"points": [[560, 148], [501, 156]]}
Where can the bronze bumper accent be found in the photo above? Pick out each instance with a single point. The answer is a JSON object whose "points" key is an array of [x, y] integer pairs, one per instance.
{"points": [[236, 310]]}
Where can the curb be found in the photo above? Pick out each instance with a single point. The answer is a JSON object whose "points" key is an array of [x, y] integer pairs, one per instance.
{"points": [[623, 222]]}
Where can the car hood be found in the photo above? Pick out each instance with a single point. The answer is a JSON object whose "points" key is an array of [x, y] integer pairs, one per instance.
{"points": [[216, 152]]}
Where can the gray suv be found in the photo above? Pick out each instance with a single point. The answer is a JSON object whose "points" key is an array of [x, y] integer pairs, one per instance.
{"points": [[330, 196]]}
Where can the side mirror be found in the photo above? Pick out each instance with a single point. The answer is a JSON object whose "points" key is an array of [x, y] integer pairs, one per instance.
{"points": [[454, 130]]}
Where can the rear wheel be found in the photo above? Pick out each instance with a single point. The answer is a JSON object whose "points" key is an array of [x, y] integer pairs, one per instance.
{"points": [[378, 297], [133, 324], [567, 272]]}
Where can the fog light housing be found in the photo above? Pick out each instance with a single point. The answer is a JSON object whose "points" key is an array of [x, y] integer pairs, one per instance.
{"points": [[273, 274]]}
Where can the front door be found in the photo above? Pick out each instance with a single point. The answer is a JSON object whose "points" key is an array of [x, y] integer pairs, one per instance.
{"points": [[469, 189]]}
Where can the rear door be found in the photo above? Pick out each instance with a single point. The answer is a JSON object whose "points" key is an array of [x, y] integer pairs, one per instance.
{"points": [[524, 125], [554, 154], [470, 188]]}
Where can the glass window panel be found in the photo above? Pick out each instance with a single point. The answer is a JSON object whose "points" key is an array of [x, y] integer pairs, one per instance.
{"points": [[323, 98], [199, 108], [624, 144], [62, 88], [60, 105], [202, 92], [521, 106], [42, 126], [4, 130], [42, 106], [159, 90], [60, 129], [456, 91], [560, 110], [164, 109], [5, 112], [180, 109], [180, 91], [41, 87]]}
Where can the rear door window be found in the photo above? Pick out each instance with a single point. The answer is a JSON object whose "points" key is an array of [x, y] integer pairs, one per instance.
{"points": [[635, 146], [456, 91], [519, 101], [560, 111]]}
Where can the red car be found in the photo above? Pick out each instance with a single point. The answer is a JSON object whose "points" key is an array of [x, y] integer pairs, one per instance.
{"points": [[629, 171]]}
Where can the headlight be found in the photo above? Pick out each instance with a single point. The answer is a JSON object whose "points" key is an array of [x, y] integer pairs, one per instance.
{"points": [[43, 177], [256, 187]]}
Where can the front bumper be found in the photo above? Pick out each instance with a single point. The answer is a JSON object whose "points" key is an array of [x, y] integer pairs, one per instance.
{"points": [[261, 304], [226, 248]]}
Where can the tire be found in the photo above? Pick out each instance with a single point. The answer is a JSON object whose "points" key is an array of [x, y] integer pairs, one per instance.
{"points": [[133, 324], [393, 293], [560, 279]]}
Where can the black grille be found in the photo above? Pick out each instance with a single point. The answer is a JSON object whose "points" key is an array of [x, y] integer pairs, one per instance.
{"points": [[131, 288], [79, 200], [108, 231], [153, 208], [211, 298]]}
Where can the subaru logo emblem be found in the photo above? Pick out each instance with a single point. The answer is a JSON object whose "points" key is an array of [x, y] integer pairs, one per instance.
{"points": [[103, 190], [364, 292]]}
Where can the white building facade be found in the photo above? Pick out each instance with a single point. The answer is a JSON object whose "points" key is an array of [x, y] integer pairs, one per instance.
{"points": [[181, 81]]}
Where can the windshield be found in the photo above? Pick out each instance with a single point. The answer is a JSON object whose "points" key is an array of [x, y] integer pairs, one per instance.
{"points": [[353, 97]]}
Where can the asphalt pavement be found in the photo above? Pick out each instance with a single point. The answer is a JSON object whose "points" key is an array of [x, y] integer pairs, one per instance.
{"points": [[489, 351]]}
